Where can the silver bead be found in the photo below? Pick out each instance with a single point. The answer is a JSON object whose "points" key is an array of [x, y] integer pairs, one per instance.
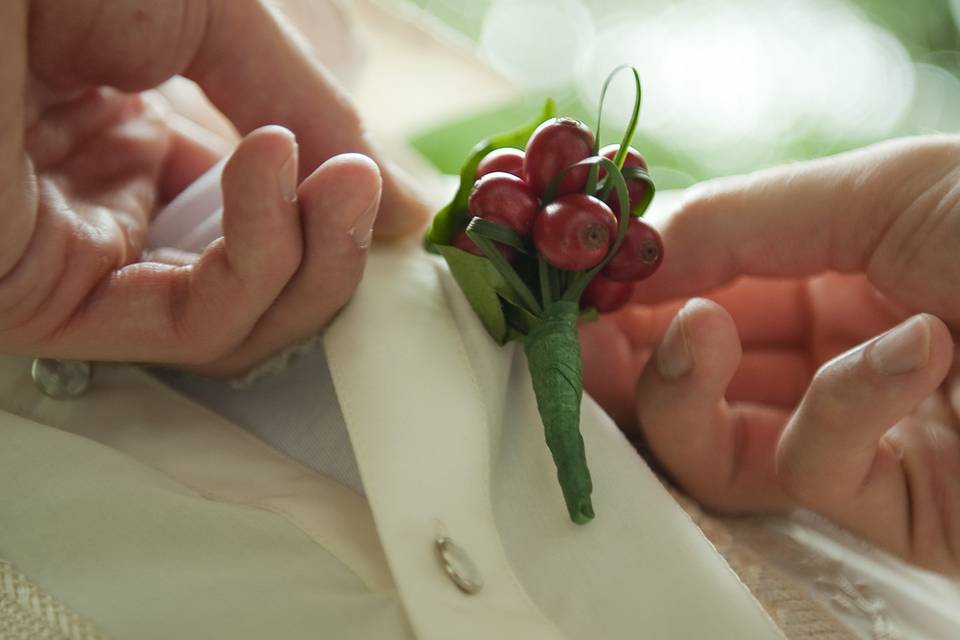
{"points": [[458, 566], [61, 378]]}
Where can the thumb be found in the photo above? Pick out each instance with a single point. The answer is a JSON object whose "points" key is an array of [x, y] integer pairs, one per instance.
{"points": [[794, 220]]}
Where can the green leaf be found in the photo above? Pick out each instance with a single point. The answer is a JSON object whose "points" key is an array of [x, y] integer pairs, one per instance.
{"points": [[521, 321], [480, 283], [546, 287], [637, 173], [631, 129], [514, 284], [445, 144], [634, 116], [454, 217], [500, 233], [553, 357]]}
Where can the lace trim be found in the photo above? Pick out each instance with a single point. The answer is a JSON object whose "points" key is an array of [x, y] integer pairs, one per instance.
{"points": [[798, 615], [277, 363], [854, 598], [27, 612]]}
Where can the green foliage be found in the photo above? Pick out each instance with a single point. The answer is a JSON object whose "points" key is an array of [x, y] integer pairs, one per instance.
{"points": [[553, 357]]}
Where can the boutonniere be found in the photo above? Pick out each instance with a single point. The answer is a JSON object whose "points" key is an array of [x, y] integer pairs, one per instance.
{"points": [[545, 230]]}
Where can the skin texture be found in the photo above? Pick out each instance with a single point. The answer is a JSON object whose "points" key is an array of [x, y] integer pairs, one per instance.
{"points": [[786, 399], [86, 158]]}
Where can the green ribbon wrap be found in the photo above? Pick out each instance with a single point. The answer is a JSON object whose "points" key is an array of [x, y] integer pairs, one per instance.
{"points": [[553, 357]]}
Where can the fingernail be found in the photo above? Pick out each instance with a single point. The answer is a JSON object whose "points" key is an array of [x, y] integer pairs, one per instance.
{"points": [[362, 229], [288, 176], [674, 358], [903, 349]]}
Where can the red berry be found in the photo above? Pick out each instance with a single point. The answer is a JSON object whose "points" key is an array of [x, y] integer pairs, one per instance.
{"points": [[575, 232], [606, 295], [505, 199], [506, 159], [637, 189], [639, 255], [464, 243], [555, 145]]}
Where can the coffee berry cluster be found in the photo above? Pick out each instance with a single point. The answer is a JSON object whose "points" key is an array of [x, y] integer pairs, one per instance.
{"points": [[572, 230]]}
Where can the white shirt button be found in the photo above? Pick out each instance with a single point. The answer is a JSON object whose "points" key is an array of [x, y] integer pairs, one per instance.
{"points": [[458, 566], [61, 378]]}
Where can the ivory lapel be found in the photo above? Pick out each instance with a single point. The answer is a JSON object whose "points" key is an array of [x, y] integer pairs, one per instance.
{"points": [[418, 425], [448, 441]]}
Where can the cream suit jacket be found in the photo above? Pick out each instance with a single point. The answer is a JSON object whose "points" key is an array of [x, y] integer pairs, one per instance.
{"points": [[132, 512]]}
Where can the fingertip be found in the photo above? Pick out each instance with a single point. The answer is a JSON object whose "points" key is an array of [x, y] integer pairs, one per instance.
{"points": [[354, 171], [694, 362], [268, 145], [920, 347], [263, 166], [942, 344], [261, 228], [341, 200], [854, 400], [706, 316], [711, 337]]}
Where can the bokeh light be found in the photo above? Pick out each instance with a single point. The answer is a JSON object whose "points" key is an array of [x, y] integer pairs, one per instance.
{"points": [[536, 42], [733, 85]]}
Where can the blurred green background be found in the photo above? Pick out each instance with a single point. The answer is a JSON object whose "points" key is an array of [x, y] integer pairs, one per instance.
{"points": [[729, 85]]}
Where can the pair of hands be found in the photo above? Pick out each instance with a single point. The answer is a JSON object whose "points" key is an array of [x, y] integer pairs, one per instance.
{"points": [[775, 392], [84, 167]]}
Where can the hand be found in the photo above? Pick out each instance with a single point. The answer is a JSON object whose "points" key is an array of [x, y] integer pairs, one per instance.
{"points": [[85, 159], [807, 406]]}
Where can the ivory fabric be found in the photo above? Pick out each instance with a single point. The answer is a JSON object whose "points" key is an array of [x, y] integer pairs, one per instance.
{"points": [[294, 409], [486, 479], [153, 517]]}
